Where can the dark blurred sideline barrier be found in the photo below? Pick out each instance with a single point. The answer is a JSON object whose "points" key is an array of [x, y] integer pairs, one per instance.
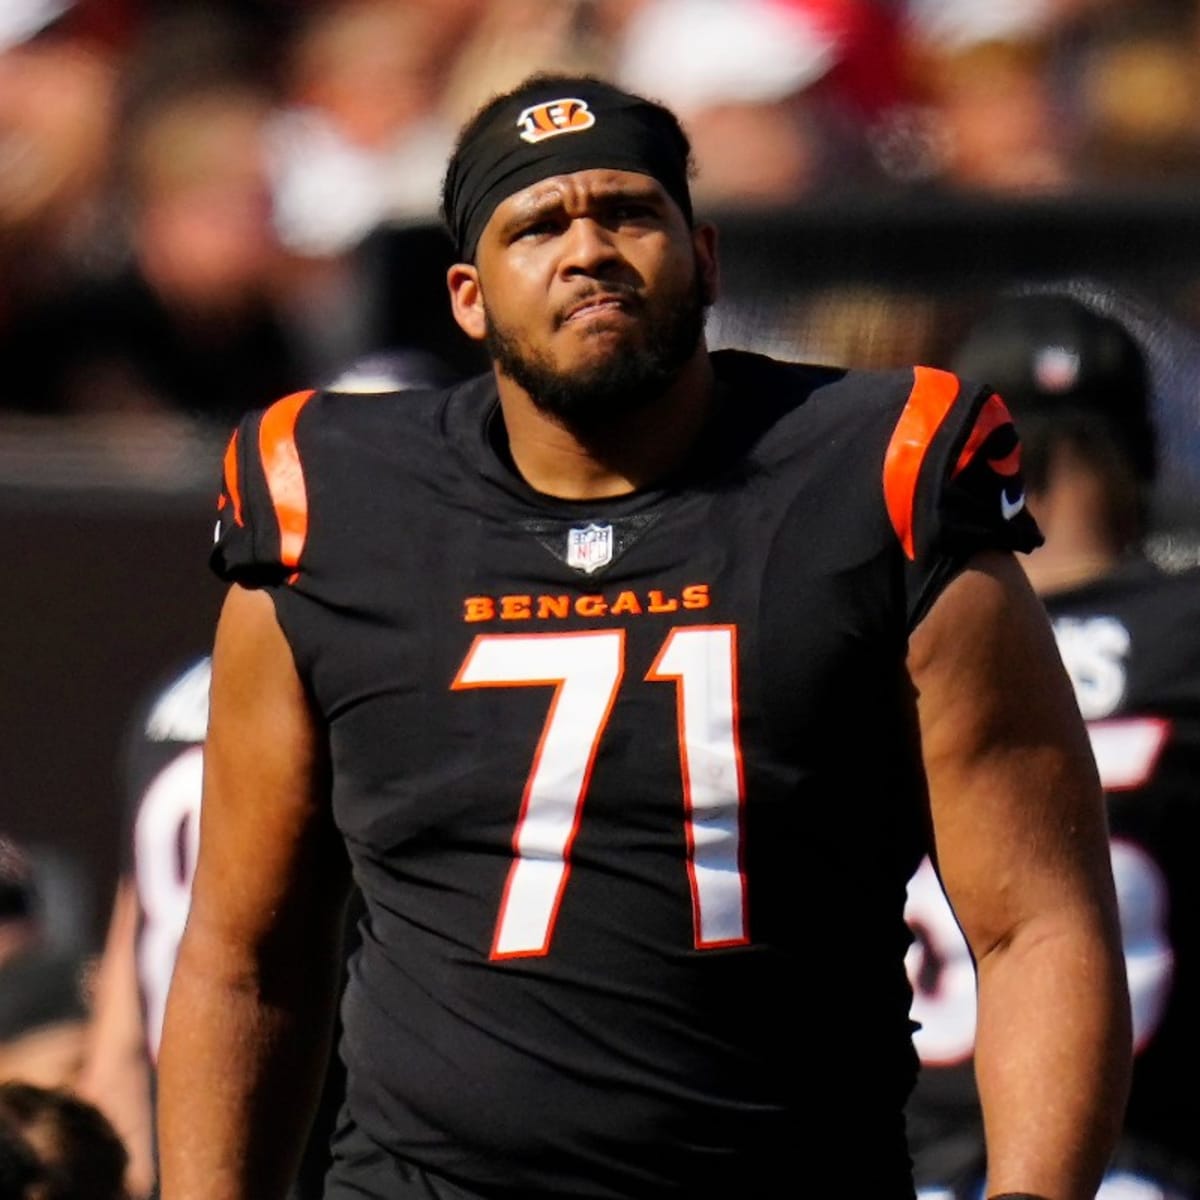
{"points": [[106, 524]]}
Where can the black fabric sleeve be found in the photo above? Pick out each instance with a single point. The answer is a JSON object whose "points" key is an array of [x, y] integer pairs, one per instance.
{"points": [[247, 547], [969, 496]]}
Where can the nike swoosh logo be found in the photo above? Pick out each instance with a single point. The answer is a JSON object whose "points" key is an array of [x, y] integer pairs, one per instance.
{"points": [[1010, 508]]}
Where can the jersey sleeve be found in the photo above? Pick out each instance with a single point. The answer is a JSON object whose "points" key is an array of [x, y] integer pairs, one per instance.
{"points": [[262, 508], [952, 483]]}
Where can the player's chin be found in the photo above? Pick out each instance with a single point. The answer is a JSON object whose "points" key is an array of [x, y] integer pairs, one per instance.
{"points": [[602, 337]]}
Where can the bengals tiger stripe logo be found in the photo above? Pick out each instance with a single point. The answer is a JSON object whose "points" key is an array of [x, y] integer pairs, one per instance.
{"points": [[541, 121]]}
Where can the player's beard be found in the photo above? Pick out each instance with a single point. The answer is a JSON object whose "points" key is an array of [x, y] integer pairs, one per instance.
{"points": [[591, 397]]}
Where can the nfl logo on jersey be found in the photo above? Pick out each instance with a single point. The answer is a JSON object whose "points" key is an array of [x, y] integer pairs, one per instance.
{"points": [[590, 548]]}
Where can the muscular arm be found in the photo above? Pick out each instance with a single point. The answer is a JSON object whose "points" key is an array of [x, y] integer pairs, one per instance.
{"points": [[250, 1009], [1021, 845]]}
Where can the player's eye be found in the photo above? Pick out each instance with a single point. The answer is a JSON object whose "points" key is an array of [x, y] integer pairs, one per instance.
{"points": [[545, 227], [632, 210]]}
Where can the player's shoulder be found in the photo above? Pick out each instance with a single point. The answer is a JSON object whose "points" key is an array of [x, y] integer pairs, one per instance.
{"points": [[851, 393], [329, 412], [325, 432], [309, 457], [916, 403]]}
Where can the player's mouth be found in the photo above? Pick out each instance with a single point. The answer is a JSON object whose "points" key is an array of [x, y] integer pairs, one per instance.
{"points": [[596, 306]]}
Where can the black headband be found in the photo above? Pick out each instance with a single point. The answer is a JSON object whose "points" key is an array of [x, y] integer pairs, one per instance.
{"points": [[569, 125]]}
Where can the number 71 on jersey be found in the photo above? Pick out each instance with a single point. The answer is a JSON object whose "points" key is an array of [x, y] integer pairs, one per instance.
{"points": [[585, 669]]}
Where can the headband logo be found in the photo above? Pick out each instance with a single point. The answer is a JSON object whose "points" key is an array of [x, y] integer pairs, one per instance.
{"points": [[548, 120]]}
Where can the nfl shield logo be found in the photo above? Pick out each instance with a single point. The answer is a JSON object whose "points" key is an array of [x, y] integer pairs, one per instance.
{"points": [[1056, 369], [590, 548]]}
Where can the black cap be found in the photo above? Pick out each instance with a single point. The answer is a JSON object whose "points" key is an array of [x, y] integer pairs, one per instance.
{"points": [[1052, 356]]}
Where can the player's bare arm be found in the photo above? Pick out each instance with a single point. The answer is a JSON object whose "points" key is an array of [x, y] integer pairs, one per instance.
{"points": [[250, 1009], [1021, 846]]}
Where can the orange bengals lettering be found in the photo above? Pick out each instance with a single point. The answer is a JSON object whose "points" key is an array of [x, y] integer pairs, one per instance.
{"points": [[516, 608], [560, 607], [479, 608]]}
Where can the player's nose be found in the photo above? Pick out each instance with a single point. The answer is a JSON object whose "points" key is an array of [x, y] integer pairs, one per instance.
{"points": [[588, 248]]}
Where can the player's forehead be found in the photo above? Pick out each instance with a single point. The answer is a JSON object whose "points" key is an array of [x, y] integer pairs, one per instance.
{"points": [[577, 189]]}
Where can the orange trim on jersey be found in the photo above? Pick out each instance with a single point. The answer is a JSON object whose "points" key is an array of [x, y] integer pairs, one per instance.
{"points": [[285, 474], [231, 480], [655, 672], [1009, 465], [932, 395], [994, 415]]}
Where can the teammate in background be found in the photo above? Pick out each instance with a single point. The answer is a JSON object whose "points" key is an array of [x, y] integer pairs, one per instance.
{"points": [[162, 782], [1129, 635], [578, 660], [163, 774]]}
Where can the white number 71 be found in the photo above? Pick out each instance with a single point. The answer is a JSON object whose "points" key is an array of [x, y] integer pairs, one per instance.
{"points": [[585, 670]]}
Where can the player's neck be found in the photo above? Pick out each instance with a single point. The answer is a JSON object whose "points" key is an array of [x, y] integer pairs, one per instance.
{"points": [[1077, 551], [1076, 516], [1061, 573], [635, 451]]}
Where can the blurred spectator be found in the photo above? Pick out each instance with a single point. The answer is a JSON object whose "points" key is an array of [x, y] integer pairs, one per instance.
{"points": [[360, 138], [1139, 100], [56, 108], [74, 1151], [865, 327], [513, 39], [42, 1010], [984, 70], [867, 76], [189, 325], [358, 141], [738, 75]]}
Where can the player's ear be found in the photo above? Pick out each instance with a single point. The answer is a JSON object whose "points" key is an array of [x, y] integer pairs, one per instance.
{"points": [[466, 300], [704, 239]]}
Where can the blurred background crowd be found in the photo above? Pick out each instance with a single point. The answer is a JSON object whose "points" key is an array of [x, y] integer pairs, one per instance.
{"points": [[184, 185], [205, 204]]}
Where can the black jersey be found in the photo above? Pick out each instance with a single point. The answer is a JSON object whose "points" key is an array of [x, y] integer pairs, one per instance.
{"points": [[631, 787], [1131, 644]]}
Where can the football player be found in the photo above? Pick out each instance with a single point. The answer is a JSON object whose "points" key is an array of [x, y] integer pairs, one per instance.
{"points": [[1078, 383], [634, 679]]}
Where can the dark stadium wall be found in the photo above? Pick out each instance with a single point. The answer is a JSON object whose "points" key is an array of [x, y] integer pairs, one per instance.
{"points": [[102, 597]]}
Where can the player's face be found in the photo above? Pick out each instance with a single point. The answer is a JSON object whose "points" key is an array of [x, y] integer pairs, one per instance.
{"points": [[591, 291]]}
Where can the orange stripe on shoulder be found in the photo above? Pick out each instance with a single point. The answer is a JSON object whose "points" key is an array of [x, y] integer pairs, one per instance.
{"points": [[285, 474], [992, 416], [933, 393], [232, 485]]}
